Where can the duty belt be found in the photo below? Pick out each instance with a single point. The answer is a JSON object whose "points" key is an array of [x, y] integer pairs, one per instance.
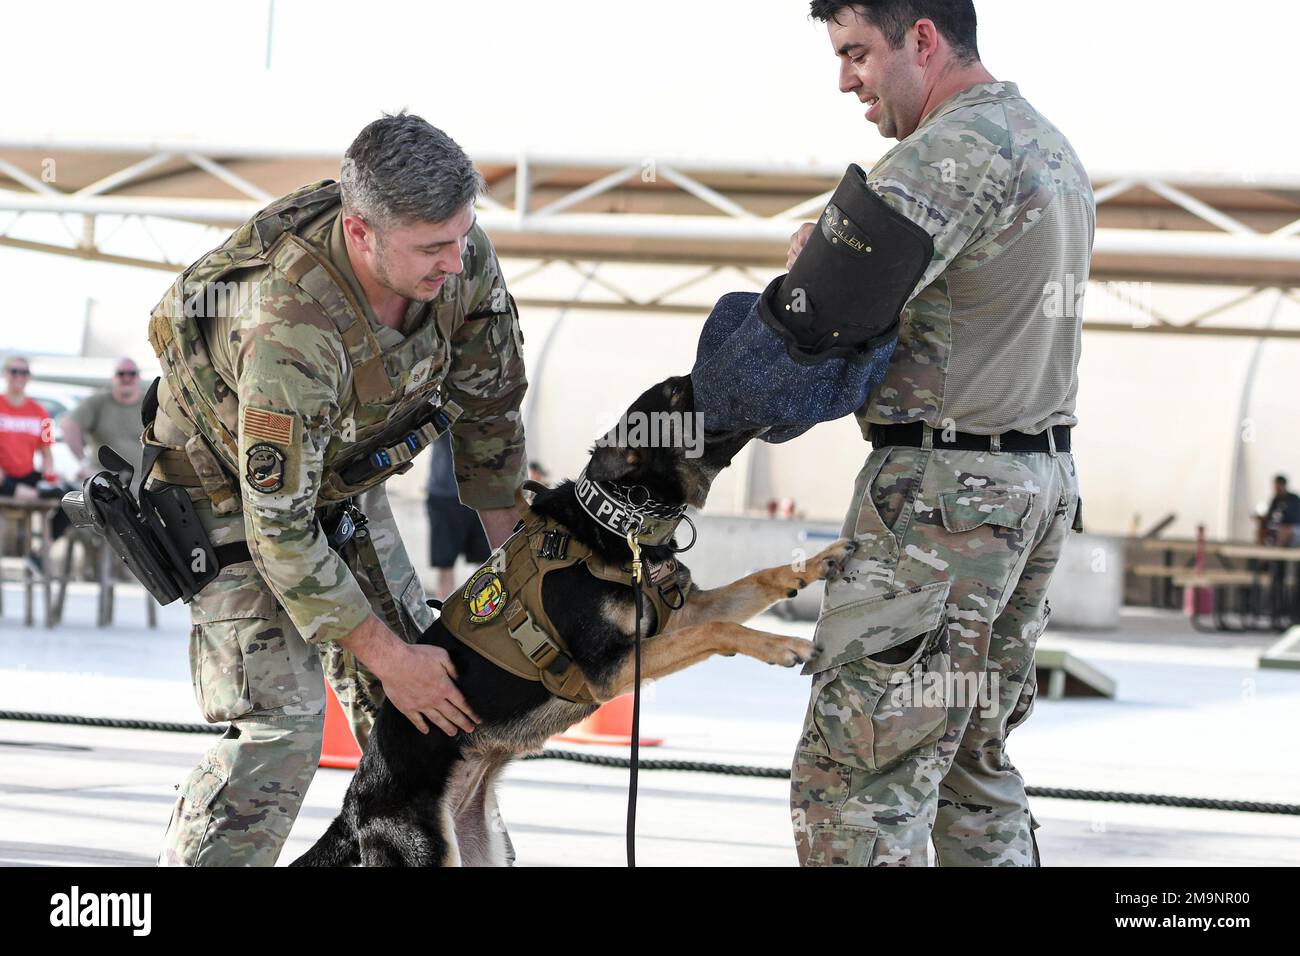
{"points": [[913, 434]]}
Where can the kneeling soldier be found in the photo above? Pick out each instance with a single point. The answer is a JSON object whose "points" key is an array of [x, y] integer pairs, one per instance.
{"points": [[306, 360]]}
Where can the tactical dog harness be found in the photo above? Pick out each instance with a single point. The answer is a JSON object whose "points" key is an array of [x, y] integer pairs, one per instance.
{"points": [[500, 615]]}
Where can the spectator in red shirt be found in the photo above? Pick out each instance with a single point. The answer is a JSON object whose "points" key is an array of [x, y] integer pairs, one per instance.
{"points": [[25, 430]]}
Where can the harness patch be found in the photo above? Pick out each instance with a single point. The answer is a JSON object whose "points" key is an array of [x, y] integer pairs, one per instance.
{"points": [[661, 571], [265, 468], [485, 595]]}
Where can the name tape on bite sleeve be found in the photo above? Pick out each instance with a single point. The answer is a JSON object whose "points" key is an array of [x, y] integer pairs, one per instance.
{"points": [[267, 426]]}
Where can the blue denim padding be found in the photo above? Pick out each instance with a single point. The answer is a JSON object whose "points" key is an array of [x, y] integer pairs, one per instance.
{"points": [[744, 378]]}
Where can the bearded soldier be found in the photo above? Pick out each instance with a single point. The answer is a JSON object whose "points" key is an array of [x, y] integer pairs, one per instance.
{"points": [[306, 360], [927, 300], [926, 644]]}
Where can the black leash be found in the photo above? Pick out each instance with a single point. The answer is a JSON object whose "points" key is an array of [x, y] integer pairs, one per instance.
{"points": [[635, 761]]}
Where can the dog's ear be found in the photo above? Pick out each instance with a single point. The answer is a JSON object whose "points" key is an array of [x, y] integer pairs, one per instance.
{"points": [[612, 463], [681, 396]]}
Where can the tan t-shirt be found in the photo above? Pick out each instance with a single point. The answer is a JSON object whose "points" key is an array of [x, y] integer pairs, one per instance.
{"points": [[106, 421], [990, 340]]}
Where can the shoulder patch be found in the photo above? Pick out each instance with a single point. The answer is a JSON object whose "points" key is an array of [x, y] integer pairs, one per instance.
{"points": [[485, 594], [265, 468]]}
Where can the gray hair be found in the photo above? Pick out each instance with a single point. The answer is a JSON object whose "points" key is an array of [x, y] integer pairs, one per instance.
{"points": [[401, 169]]}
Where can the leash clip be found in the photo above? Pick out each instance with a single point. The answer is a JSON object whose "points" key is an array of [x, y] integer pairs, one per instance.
{"points": [[635, 547]]}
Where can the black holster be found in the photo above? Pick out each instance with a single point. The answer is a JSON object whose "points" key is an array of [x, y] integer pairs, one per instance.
{"points": [[159, 538]]}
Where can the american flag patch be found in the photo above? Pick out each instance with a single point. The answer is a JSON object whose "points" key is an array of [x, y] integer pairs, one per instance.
{"points": [[268, 426]]}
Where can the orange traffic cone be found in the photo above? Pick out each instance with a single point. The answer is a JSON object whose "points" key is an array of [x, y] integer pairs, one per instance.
{"points": [[611, 725], [340, 749]]}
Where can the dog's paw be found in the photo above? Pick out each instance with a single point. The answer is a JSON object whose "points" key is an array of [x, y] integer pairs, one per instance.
{"points": [[784, 651], [829, 562]]}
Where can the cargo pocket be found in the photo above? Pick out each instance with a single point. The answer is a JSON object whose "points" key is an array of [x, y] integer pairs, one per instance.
{"points": [[887, 495], [832, 844], [880, 678], [191, 827], [968, 510], [233, 633]]}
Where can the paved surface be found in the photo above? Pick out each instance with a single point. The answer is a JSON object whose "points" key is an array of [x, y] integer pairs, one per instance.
{"points": [[1194, 716]]}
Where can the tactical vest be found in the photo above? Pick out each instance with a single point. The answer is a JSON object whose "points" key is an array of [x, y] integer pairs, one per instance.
{"points": [[273, 238], [500, 615]]}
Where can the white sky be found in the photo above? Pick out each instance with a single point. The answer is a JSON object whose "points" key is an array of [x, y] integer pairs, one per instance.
{"points": [[1164, 84], [1160, 85]]}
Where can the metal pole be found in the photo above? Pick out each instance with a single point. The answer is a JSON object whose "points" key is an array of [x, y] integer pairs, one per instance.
{"points": [[270, 30]]}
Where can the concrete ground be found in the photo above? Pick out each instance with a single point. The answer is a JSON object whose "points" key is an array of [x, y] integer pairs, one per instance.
{"points": [[1193, 716]]}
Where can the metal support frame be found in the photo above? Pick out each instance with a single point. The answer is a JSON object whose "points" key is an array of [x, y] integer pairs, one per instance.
{"points": [[579, 211]]}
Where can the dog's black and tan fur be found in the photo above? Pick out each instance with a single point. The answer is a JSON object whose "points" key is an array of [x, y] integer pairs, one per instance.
{"points": [[428, 800]]}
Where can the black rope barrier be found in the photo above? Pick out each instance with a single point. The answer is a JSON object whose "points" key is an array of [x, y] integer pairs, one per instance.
{"points": [[696, 766]]}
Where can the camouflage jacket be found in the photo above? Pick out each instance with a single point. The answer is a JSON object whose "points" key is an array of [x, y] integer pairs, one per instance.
{"points": [[989, 341], [285, 391]]}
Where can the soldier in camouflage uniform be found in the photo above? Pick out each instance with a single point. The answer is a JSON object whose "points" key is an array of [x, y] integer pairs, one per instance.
{"points": [[346, 314], [926, 645]]}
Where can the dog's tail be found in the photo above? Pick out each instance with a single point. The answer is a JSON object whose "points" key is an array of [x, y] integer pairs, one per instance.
{"points": [[338, 846]]}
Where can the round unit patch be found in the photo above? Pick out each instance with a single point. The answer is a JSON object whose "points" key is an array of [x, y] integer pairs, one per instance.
{"points": [[265, 469], [485, 594]]}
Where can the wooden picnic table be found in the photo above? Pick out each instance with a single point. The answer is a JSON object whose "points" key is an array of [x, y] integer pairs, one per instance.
{"points": [[38, 516], [1172, 546], [1261, 559], [1178, 558], [1244, 590], [30, 516], [1260, 552]]}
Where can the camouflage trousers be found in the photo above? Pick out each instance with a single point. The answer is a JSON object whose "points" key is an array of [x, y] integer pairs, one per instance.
{"points": [[926, 661], [251, 668]]}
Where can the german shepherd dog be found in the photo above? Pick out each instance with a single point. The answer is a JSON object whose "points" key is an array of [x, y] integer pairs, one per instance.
{"points": [[428, 799]]}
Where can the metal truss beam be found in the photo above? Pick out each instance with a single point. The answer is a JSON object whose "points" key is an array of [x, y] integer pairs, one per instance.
{"points": [[652, 211]]}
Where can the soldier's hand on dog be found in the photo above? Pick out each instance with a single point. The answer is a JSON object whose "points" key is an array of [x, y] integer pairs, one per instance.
{"points": [[419, 679], [798, 241], [425, 687]]}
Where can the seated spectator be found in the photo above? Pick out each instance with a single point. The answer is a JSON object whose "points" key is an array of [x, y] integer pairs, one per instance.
{"points": [[1280, 525], [110, 417], [26, 432]]}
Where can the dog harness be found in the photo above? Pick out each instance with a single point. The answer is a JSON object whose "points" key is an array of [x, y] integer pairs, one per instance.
{"points": [[500, 615]]}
